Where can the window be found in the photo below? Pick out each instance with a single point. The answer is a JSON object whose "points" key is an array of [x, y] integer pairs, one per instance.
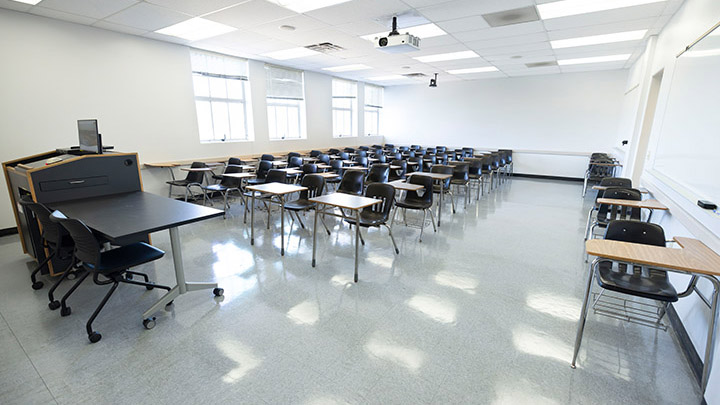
{"points": [[373, 106], [220, 84], [285, 103], [344, 108]]}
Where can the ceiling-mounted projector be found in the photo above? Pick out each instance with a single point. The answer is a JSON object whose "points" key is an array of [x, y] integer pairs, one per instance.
{"points": [[397, 43]]}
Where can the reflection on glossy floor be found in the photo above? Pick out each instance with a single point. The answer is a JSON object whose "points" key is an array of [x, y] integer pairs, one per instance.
{"points": [[484, 311]]}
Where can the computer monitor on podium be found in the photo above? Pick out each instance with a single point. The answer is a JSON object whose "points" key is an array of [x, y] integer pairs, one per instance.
{"points": [[90, 139]]}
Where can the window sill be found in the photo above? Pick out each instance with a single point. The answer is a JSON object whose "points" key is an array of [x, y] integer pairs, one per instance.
{"points": [[228, 141], [288, 139]]}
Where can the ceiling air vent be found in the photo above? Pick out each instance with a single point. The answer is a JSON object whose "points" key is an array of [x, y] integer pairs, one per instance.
{"points": [[510, 17], [541, 64], [325, 47], [415, 75]]}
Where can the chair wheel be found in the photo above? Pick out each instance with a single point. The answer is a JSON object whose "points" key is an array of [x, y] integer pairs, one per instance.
{"points": [[218, 292], [71, 275], [66, 311], [168, 305], [149, 323], [397, 251], [37, 285], [53, 305], [149, 287], [128, 276], [94, 337]]}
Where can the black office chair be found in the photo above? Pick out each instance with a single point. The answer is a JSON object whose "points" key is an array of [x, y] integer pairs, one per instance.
{"points": [[109, 267], [324, 158], [315, 153], [55, 240], [337, 168], [293, 154], [361, 153], [441, 149], [398, 174], [469, 152], [611, 212], [379, 173], [344, 156], [309, 168], [379, 214], [267, 157], [362, 161], [349, 150], [380, 158], [487, 170], [261, 173], [428, 162], [295, 161], [421, 200], [415, 168], [461, 178], [363, 149], [226, 185], [475, 175], [352, 182], [616, 182], [233, 161], [315, 185], [333, 151], [441, 158], [415, 147], [192, 179], [635, 281], [444, 185]]}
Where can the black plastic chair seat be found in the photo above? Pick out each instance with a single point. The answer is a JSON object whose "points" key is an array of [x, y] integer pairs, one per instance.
{"points": [[438, 187], [122, 258], [180, 183], [255, 182], [474, 176], [300, 205], [217, 187], [655, 287], [368, 219], [413, 205], [458, 181]]}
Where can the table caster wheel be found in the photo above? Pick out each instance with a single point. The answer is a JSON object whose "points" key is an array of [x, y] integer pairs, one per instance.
{"points": [[53, 305], [37, 285], [149, 323], [218, 292], [94, 337], [66, 311]]}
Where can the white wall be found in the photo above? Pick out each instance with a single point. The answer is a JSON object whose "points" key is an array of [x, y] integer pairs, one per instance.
{"points": [[689, 23], [140, 90], [569, 115]]}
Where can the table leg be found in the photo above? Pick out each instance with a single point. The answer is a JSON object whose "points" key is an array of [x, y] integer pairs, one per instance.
{"points": [[583, 313], [182, 286], [710, 343], [440, 204], [282, 225], [252, 218], [317, 213], [357, 242]]}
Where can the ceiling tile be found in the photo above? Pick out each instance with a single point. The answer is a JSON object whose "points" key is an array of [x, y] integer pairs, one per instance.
{"points": [[537, 37], [250, 14], [59, 15], [14, 5], [359, 28], [606, 17], [195, 7], [549, 70], [148, 17], [592, 67], [465, 8], [600, 29], [96, 9], [501, 32], [471, 23], [512, 49], [356, 10]]}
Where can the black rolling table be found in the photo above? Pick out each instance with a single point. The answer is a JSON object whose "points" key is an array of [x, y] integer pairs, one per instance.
{"points": [[120, 216]]}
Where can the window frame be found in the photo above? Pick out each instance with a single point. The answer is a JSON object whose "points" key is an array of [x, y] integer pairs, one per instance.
{"points": [[352, 110], [274, 103], [373, 110]]}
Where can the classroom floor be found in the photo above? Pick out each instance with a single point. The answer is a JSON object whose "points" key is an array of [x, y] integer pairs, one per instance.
{"points": [[484, 311]]}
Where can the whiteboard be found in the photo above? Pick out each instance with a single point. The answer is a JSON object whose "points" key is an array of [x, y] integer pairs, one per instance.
{"points": [[688, 148]]}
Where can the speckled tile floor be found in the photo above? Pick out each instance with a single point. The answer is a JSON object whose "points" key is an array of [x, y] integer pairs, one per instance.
{"points": [[484, 311]]}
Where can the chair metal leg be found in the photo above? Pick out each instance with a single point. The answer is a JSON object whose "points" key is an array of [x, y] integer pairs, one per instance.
{"points": [[36, 285], [104, 301], [63, 302], [422, 225], [362, 240], [392, 238], [432, 220], [52, 303], [322, 219], [584, 311]]}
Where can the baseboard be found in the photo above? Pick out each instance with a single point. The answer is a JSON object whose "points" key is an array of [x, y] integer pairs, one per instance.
{"points": [[8, 231], [544, 177], [688, 349]]}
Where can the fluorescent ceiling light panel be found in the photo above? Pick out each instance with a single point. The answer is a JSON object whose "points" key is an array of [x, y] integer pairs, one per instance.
{"points": [[574, 7], [447, 56], [386, 78], [303, 6], [196, 29], [599, 39], [420, 31], [32, 2], [595, 59], [473, 70], [347, 68], [291, 53]]}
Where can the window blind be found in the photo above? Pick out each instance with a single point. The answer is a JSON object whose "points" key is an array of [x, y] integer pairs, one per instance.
{"points": [[373, 96], [284, 84], [213, 65], [344, 89]]}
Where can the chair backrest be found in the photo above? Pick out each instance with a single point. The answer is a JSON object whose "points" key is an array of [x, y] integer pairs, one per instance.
{"points": [[231, 182], [442, 158], [196, 177], [635, 232], [363, 148], [475, 167], [315, 185], [431, 151], [324, 158], [344, 156], [381, 158], [443, 170], [415, 147], [268, 157], [337, 166], [262, 170], [295, 161], [469, 152], [609, 212], [379, 173], [389, 146], [616, 182], [409, 154], [276, 176], [352, 182], [363, 161], [441, 149], [508, 154], [398, 173], [362, 153], [426, 194], [384, 192], [461, 172], [403, 148], [51, 231], [87, 248], [315, 153], [349, 150], [293, 154], [309, 168], [235, 161], [333, 151]]}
